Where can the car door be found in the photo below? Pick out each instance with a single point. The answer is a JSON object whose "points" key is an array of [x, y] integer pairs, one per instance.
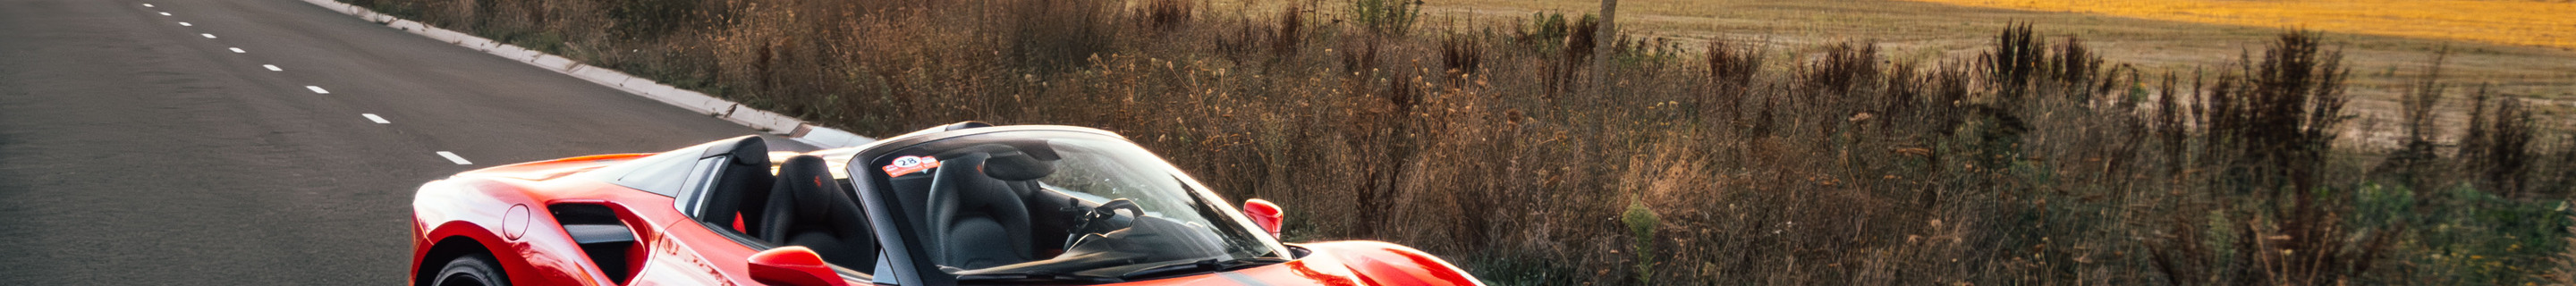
{"points": [[689, 254]]}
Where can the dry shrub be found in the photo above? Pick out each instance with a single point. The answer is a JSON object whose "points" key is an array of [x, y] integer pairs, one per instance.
{"points": [[1462, 54], [2270, 130], [1384, 16], [2497, 150], [2015, 61], [652, 19], [2562, 181], [1291, 34], [2415, 163], [1732, 65], [1581, 38], [1166, 15], [1049, 35], [1843, 66]]}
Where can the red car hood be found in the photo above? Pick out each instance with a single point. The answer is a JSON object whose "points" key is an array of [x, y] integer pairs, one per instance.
{"points": [[1340, 263]]}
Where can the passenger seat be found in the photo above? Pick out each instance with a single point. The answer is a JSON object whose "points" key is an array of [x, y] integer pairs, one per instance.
{"points": [[809, 209], [741, 190]]}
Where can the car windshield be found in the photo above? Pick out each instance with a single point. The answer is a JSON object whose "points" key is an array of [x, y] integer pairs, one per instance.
{"points": [[1059, 205]]}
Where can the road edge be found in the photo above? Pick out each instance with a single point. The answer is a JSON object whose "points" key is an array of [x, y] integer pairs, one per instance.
{"points": [[762, 120]]}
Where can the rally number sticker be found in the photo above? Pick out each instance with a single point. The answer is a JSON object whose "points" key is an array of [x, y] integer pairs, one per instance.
{"points": [[909, 164]]}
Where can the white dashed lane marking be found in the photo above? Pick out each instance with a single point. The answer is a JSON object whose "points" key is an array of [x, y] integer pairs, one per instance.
{"points": [[451, 157]]}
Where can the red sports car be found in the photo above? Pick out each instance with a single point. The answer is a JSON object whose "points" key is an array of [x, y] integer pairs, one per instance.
{"points": [[962, 204]]}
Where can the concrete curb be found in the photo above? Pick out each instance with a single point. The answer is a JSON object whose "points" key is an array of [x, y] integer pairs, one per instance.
{"points": [[765, 121]]}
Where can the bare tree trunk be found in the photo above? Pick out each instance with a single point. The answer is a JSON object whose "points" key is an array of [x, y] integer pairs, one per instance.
{"points": [[1601, 46]]}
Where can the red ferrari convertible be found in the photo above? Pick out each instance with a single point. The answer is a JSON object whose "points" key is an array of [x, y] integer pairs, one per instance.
{"points": [[962, 204]]}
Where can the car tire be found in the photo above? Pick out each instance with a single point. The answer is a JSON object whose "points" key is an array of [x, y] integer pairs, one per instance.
{"points": [[471, 270]]}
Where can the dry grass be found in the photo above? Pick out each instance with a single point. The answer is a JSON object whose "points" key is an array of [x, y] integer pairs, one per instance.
{"points": [[2027, 158]]}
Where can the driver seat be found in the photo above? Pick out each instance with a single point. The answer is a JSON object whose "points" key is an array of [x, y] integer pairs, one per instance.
{"points": [[977, 220], [808, 208]]}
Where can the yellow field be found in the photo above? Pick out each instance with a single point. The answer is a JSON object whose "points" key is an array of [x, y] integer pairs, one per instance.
{"points": [[2524, 48], [2505, 22]]}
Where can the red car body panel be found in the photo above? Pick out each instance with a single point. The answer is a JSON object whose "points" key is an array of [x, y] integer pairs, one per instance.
{"points": [[506, 211], [506, 216]]}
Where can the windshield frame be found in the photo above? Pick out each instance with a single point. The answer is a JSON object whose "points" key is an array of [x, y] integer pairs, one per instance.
{"points": [[892, 221]]}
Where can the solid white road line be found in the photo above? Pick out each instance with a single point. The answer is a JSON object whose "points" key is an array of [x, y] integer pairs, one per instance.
{"points": [[147, 4], [451, 157], [208, 36], [373, 117], [165, 13], [272, 67], [317, 89], [238, 50], [186, 24]]}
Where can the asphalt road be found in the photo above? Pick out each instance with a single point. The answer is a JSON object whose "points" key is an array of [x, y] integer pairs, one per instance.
{"points": [[135, 150]]}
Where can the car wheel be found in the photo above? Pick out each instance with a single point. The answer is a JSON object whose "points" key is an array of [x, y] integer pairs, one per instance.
{"points": [[471, 270]]}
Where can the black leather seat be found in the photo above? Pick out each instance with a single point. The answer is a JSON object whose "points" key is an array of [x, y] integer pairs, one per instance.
{"points": [[741, 189], [808, 208], [978, 219]]}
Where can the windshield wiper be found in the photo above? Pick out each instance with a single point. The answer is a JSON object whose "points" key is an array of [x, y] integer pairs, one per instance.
{"points": [[1201, 266], [1036, 277]]}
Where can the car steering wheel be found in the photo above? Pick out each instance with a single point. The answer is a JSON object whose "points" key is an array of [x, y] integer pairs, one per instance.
{"points": [[1097, 220]]}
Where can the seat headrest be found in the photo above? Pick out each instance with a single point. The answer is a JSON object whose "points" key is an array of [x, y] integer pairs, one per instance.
{"points": [[810, 179], [1017, 167], [751, 151]]}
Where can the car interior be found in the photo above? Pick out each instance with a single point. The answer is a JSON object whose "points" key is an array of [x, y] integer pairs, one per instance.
{"points": [[977, 219], [741, 189], [987, 209], [801, 204], [988, 214], [808, 208]]}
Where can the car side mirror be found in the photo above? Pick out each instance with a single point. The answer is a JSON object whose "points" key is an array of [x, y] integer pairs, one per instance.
{"points": [[792, 266], [1263, 213]]}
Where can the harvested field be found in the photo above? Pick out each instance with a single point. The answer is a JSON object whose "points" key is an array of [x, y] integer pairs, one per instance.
{"points": [[2528, 23], [2383, 40], [1945, 28]]}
